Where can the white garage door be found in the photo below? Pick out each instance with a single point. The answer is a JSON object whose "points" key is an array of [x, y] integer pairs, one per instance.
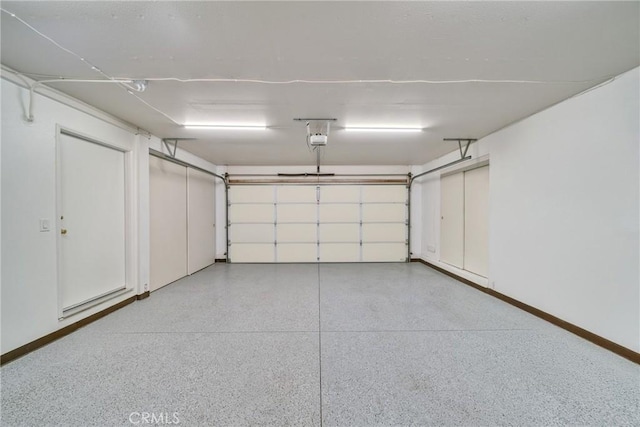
{"points": [[318, 223]]}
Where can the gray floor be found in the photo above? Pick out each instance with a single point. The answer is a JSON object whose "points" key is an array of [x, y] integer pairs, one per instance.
{"points": [[333, 345]]}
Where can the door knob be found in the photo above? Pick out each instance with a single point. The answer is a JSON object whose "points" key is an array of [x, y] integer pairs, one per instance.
{"points": [[63, 231]]}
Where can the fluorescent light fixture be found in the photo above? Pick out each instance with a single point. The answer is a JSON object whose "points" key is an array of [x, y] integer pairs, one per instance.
{"points": [[382, 129], [226, 127]]}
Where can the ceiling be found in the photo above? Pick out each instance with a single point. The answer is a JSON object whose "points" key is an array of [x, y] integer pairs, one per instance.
{"points": [[558, 48]]}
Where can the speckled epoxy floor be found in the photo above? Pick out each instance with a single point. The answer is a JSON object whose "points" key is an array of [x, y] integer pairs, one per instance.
{"points": [[333, 345]]}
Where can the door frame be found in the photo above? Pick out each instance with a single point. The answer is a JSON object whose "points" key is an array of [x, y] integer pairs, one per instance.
{"points": [[130, 223]]}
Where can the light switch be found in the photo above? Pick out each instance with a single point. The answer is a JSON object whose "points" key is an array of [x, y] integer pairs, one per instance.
{"points": [[45, 225]]}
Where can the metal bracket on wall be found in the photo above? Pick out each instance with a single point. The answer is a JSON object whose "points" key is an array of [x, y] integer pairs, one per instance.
{"points": [[463, 154], [172, 150]]}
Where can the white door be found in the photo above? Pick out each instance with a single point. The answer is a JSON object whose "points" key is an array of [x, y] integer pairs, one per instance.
{"points": [[201, 220], [168, 222], [91, 214], [452, 220], [311, 223], [476, 221]]}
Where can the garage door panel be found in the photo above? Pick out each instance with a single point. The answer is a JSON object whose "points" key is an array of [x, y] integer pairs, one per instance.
{"points": [[384, 193], [339, 233], [394, 232], [251, 213], [252, 252], [297, 233], [330, 230], [384, 252], [339, 252], [296, 194], [339, 213], [297, 213], [251, 194], [297, 252], [385, 212], [251, 233], [340, 194]]}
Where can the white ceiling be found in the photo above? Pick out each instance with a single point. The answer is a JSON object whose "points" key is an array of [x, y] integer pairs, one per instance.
{"points": [[566, 47]]}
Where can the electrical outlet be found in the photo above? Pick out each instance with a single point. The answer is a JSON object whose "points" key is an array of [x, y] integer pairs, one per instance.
{"points": [[431, 249]]}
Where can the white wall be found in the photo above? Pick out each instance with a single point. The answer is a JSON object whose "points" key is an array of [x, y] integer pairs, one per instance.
{"points": [[564, 210], [29, 296], [29, 288]]}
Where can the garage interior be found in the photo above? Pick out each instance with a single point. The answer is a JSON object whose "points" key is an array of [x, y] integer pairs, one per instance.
{"points": [[320, 213]]}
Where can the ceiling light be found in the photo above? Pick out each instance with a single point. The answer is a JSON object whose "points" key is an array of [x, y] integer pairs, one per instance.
{"points": [[382, 129], [226, 127]]}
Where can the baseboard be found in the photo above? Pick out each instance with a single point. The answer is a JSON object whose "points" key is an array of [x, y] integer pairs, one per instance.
{"points": [[143, 295], [40, 342], [583, 333]]}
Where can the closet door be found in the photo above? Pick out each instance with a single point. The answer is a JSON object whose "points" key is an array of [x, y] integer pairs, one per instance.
{"points": [[452, 220], [91, 212], [168, 222], [201, 220], [476, 221]]}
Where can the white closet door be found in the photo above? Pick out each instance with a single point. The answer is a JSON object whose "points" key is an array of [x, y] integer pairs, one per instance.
{"points": [[168, 222], [92, 220], [452, 220], [476, 221], [201, 220], [252, 223]]}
